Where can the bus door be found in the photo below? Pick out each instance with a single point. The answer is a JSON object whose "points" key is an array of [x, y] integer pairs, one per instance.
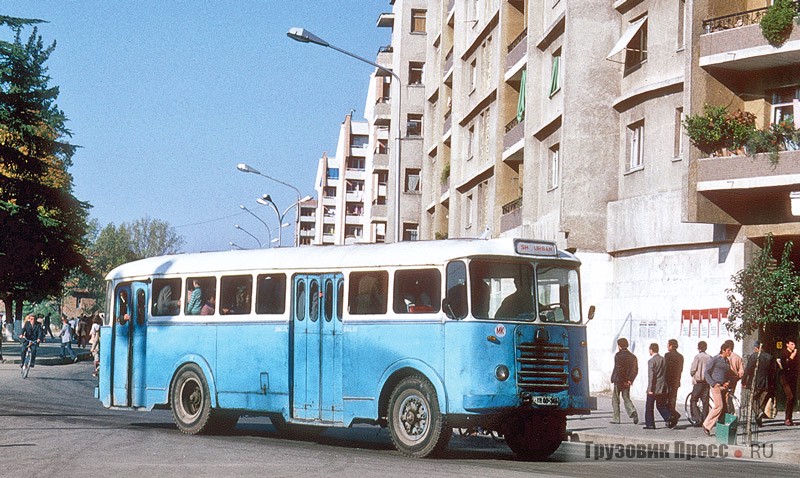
{"points": [[317, 347], [128, 345]]}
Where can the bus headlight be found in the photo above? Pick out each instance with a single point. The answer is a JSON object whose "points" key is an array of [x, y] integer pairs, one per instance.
{"points": [[576, 375], [501, 372]]}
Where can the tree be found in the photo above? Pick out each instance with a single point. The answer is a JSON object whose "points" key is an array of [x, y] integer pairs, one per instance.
{"points": [[764, 293], [114, 246], [36, 200]]}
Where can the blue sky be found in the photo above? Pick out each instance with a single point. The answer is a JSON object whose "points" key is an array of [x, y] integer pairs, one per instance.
{"points": [[166, 97]]}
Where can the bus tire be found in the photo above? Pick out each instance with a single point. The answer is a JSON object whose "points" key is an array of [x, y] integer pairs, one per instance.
{"points": [[190, 400], [536, 437], [416, 424]]}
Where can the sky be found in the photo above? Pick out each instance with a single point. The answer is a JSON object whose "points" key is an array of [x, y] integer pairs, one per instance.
{"points": [[165, 97]]}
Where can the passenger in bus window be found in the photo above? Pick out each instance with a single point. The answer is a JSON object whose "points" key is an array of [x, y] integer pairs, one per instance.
{"points": [[210, 304], [165, 304], [517, 303], [123, 311], [481, 295], [195, 302]]}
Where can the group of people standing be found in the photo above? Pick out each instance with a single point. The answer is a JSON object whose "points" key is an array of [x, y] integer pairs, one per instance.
{"points": [[715, 377], [84, 330]]}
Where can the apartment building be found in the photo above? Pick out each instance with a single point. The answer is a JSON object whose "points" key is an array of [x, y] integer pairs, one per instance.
{"points": [[340, 185], [561, 120]]}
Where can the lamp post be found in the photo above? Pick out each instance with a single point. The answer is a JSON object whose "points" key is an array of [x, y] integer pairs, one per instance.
{"points": [[269, 232], [304, 36], [249, 234], [245, 168], [266, 200]]}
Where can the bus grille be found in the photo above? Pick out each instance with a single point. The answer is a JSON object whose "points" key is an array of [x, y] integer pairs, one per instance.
{"points": [[543, 367]]}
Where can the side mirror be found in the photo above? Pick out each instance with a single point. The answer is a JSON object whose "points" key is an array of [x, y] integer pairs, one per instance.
{"points": [[590, 315]]}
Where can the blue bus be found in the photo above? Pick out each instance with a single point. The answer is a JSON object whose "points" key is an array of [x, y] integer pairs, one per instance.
{"points": [[419, 337]]}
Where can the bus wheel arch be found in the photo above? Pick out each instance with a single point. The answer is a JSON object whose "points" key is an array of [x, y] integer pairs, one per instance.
{"points": [[416, 423], [398, 372]]}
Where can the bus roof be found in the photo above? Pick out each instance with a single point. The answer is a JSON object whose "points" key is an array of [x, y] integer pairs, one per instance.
{"points": [[405, 253]]}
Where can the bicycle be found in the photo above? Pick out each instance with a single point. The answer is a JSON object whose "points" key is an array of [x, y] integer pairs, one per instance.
{"points": [[26, 364], [687, 406]]}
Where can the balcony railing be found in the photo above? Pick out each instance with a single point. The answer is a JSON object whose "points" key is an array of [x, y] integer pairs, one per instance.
{"points": [[512, 215], [448, 61], [511, 124], [518, 40], [512, 206], [386, 49], [736, 20]]}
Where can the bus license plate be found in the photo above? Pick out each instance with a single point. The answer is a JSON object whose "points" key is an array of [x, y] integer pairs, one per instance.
{"points": [[545, 400]]}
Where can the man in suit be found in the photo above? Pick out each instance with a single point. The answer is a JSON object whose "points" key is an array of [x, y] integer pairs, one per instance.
{"points": [[656, 389], [757, 376], [674, 361], [626, 367]]}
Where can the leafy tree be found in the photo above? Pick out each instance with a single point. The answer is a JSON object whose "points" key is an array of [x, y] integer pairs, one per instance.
{"points": [[46, 221], [113, 246], [764, 293]]}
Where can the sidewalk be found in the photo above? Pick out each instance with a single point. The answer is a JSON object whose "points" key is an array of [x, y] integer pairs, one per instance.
{"points": [[774, 442], [48, 354]]}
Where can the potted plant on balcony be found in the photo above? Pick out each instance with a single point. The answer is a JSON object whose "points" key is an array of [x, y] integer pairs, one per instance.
{"points": [[776, 24], [718, 132], [780, 136]]}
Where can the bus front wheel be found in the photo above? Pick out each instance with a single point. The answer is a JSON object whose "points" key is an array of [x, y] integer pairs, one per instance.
{"points": [[536, 437], [190, 400], [416, 424]]}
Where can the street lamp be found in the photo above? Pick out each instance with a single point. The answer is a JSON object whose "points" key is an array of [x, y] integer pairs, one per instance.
{"points": [[304, 36], [248, 233], [266, 200], [236, 246], [269, 232], [245, 168]]}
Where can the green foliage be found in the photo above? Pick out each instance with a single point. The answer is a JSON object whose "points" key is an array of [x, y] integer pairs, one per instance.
{"points": [[764, 294], [773, 140], [44, 225], [445, 173], [717, 128], [776, 24]]}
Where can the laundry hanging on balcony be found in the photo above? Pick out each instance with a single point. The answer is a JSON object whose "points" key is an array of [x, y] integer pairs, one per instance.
{"points": [[521, 101]]}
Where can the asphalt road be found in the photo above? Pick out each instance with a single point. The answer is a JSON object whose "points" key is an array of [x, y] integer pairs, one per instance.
{"points": [[50, 425]]}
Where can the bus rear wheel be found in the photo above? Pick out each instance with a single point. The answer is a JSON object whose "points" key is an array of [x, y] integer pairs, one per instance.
{"points": [[190, 400], [416, 425], [536, 437]]}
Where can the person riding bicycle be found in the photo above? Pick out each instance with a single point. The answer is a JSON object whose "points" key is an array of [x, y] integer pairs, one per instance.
{"points": [[32, 333]]}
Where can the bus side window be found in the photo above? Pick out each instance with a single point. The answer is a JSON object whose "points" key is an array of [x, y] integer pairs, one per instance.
{"points": [[235, 293], [198, 291], [368, 291], [271, 294], [167, 293], [455, 302], [417, 291], [123, 306]]}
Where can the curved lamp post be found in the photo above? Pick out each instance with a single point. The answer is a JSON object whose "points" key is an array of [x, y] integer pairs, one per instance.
{"points": [[245, 168], [269, 232], [304, 36], [249, 234], [266, 200]]}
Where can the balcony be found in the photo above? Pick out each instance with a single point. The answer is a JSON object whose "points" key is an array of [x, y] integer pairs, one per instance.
{"points": [[512, 215], [379, 211], [380, 160], [448, 123], [383, 111], [448, 63], [751, 191], [517, 50], [735, 42], [514, 141]]}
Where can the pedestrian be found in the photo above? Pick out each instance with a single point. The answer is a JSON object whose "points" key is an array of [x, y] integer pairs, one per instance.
{"points": [[737, 365], [66, 340], [656, 390], [31, 332], [789, 368], [74, 329], [757, 375], [82, 331], [47, 324], [699, 385], [94, 340], [718, 375], [674, 365], [626, 367], [40, 321]]}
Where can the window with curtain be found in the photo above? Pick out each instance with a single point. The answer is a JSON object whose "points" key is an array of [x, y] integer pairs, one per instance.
{"points": [[555, 83]]}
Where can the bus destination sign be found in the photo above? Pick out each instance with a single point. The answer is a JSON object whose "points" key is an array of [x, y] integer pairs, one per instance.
{"points": [[536, 248]]}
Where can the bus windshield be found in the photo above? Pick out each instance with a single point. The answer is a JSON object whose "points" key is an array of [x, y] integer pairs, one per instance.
{"points": [[524, 291]]}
